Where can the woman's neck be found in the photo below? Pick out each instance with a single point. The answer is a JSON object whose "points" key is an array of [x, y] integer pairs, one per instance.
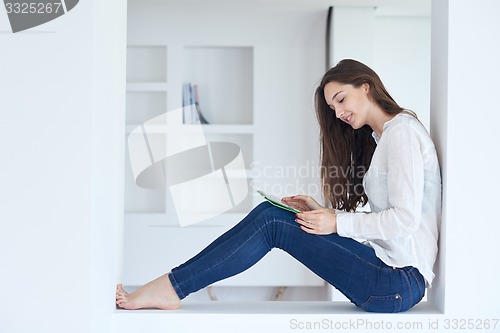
{"points": [[378, 120]]}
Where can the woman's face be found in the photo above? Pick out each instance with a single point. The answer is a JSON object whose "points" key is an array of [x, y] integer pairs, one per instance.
{"points": [[350, 104]]}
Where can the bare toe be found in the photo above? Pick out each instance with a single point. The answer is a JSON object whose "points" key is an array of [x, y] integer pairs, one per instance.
{"points": [[120, 293], [120, 290]]}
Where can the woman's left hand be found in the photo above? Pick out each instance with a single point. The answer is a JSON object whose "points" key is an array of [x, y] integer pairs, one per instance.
{"points": [[318, 222]]}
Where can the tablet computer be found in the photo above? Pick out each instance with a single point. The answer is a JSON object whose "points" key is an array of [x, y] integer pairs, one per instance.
{"points": [[277, 202]]}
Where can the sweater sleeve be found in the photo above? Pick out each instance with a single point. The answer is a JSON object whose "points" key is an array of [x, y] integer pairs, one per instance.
{"points": [[405, 190]]}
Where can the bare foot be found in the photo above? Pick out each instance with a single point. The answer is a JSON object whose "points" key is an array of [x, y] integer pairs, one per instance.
{"points": [[158, 294]]}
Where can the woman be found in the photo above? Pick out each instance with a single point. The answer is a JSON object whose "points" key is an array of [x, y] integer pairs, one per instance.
{"points": [[381, 260]]}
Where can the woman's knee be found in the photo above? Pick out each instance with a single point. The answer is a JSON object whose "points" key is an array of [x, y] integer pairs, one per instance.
{"points": [[266, 209], [263, 205], [258, 213], [266, 213], [257, 210]]}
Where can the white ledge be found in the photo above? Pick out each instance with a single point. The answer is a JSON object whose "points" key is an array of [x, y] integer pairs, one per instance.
{"points": [[269, 307], [273, 317]]}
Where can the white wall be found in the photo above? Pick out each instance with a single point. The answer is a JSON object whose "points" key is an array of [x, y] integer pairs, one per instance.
{"points": [[464, 125], [61, 116], [108, 88], [288, 61], [288, 44], [395, 42]]}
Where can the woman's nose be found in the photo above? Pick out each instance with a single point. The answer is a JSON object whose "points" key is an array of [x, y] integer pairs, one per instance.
{"points": [[339, 113]]}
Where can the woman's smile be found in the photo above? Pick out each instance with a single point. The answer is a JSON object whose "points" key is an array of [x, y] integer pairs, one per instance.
{"points": [[346, 118]]}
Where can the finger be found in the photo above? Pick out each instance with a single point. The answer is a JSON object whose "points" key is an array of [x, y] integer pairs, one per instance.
{"points": [[307, 215], [306, 223], [308, 230], [293, 205], [311, 202], [298, 203], [305, 198], [316, 211], [302, 208], [304, 202], [302, 222], [299, 207], [293, 202]]}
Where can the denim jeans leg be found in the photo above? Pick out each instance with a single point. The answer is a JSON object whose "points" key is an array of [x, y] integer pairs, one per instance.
{"points": [[350, 266], [233, 252], [267, 227], [224, 237]]}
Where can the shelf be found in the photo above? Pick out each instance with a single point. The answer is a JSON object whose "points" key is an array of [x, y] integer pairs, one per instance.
{"points": [[146, 86], [160, 220], [227, 129], [208, 129]]}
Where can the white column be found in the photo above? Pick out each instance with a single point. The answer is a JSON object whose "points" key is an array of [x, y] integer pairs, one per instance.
{"points": [[108, 144], [464, 125], [61, 139]]}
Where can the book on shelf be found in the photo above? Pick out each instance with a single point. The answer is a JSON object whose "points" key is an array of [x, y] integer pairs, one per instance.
{"points": [[191, 106]]}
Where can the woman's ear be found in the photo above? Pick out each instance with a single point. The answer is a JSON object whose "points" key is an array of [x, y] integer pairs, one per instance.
{"points": [[366, 87]]}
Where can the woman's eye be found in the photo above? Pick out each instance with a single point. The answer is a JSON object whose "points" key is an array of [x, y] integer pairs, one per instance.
{"points": [[340, 101]]}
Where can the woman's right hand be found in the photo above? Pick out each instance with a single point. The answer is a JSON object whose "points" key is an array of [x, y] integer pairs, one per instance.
{"points": [[304, 203]]}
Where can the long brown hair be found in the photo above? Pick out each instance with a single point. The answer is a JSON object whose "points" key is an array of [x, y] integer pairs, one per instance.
{"points": [[346, 153]]}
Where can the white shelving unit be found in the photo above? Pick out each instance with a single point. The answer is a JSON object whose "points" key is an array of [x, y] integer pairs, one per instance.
{"points": [[146, 98], [154, 242], [275, 55], [224, 78]]}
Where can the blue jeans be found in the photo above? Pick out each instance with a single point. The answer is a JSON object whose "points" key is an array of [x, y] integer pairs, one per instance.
{"points": [[351, 267]]}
